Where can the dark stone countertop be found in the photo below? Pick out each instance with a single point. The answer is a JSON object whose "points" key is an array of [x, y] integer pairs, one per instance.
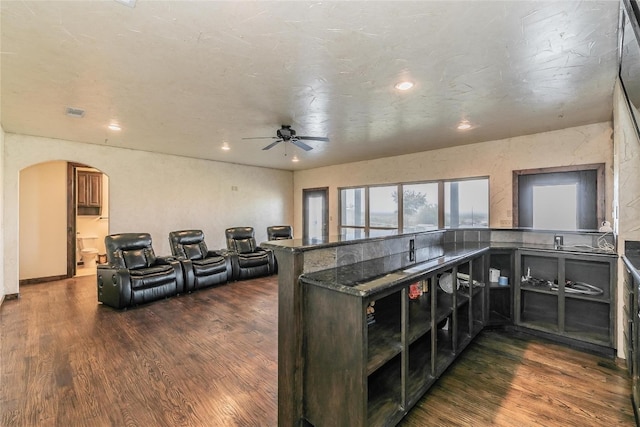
{"points": [[376, 275], [549, 248], [302, 245]]}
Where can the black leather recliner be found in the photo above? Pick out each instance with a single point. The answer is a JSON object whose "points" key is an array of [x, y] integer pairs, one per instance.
{"points": [[279, 232], [247, 258], [201, 266], [134, 274]]}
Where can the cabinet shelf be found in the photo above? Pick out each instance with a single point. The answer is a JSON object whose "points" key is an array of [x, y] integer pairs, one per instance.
{"points": [[462, 299], [496, 285], [419, 376], [384, 393], [444, 306], [444, 352], [574, 318], [524, 286], [419, 317], [538, 289], [384, 336], [384, 344], [500, 297], [394, 360]]}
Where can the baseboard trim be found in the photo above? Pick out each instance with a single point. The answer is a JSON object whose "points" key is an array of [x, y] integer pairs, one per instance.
{"points": [[42, 280], [9, 297]]}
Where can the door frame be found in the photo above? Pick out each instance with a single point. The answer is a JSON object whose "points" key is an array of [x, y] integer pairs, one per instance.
{"points": [[306, 192], [71, 217]]}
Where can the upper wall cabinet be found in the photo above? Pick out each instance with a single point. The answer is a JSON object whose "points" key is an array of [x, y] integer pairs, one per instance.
{"points": [[89, 193]]}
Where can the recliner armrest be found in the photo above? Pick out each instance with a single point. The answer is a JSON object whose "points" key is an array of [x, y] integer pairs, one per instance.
{"points": [[114, 286], [189, 280], [272, 259]]}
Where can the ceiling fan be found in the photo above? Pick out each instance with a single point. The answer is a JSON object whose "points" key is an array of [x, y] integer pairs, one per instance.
{"points": [[285, 133]]}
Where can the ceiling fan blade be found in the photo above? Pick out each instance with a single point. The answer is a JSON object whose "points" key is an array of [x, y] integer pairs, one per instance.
{"points": [[262, 137], [273, 144], [313, 138], [301, 144]]}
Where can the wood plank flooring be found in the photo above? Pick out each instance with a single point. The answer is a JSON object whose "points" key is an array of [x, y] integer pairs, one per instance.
{"points": [[210, 359], [503, 379], [203, 359]]}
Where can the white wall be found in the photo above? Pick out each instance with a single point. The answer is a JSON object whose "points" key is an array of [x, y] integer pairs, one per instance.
{"points": [[627, 167], [496, 159], [154, 193], [627, 190], [43, 220]]}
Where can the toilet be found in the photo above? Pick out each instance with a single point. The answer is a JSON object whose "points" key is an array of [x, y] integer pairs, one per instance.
{"points": [[88, 252]]}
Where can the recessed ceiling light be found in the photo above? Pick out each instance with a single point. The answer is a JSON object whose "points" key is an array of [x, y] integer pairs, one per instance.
{"points": [[225, 146], [115, 127], [295, 159], [130, 3], [404, 85], [464, 125]]}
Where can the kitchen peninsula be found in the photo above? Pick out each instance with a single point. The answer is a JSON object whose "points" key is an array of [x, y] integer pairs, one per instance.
{"points": [[367, 325]]}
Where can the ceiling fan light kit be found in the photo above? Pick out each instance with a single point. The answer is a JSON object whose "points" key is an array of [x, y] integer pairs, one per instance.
{"points": [[285, 133]]}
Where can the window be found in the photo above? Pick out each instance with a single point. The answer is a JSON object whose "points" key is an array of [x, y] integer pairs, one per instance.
{"points": [[466, 203], [352, 207], [419, 207], [412, 207], [563, 198], [383, 207], [546, 197]]}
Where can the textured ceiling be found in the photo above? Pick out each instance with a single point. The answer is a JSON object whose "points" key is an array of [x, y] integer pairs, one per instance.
{"points": [[184, 77]]}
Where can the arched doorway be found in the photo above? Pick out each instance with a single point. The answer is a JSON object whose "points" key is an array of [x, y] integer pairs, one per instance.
{"points": [[49, 220], [88, 218]]}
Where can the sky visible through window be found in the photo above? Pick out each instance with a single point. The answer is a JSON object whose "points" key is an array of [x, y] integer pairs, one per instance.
{"points": [[555, 207]]}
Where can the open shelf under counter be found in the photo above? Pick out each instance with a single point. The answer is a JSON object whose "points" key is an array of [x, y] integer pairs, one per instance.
{"points": [[420, 318], [580, 311], [394, 333]]}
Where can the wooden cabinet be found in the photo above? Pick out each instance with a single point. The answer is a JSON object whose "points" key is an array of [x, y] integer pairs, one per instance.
{"points": [[631, 312], [630, 306], [361, 371], [569, 296], [89, 192]]}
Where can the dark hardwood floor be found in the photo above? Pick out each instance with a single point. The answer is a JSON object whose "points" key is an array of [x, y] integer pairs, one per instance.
{"points": [[210, 359]]}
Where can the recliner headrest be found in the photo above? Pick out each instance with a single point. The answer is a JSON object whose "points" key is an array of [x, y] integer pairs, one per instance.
{"points": [[130, 250], [186, 237], [188, 244], [276, 232], [240, 233]]}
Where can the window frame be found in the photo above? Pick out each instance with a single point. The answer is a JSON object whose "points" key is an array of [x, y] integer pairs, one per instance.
{"points": [[400, 191], [368, 207], [599, 168]]}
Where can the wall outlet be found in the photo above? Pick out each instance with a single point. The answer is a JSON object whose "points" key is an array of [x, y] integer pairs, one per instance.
{"points": [[412, 250]]}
